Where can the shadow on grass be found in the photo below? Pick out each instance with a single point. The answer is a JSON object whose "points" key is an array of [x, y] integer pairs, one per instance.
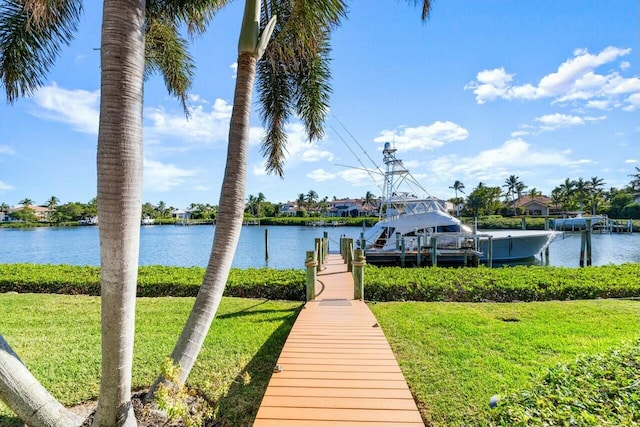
{"points": [[250, 311], [7, 421], [240, 405]]}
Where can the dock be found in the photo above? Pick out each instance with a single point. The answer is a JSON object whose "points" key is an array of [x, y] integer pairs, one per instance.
{"points": [[336, 367]]}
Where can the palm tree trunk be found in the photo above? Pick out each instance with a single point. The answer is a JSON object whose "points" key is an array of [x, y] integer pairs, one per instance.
{"points": [[119, 201], [26, 396], [228, 224]]}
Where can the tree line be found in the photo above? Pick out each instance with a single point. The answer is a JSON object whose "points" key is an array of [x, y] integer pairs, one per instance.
{"points": [[572, 195]]}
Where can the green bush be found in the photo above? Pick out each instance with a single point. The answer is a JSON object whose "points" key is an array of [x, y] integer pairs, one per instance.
{"points": [[520, 283], [153, 281], [600, 390]]}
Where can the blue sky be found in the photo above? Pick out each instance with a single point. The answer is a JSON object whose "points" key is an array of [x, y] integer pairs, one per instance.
{"points": [[544, 90]]}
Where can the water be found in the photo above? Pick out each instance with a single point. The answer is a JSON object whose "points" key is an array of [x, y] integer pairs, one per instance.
{"points": [[190, 246]]}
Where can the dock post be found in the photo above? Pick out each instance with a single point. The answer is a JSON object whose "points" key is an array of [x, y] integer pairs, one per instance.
{"points": [[266, 243], [358, 274], [419, 251], [326, 248], [583, 244], [397, 241], [402, 253], [524, 223], [476, 247], [325, 235], [490, 252], [434, 251], [311, 264], [363, 241], [320, 252], [349, 257], [588, 245]]}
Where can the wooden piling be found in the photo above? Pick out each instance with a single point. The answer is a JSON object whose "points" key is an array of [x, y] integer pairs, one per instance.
{"points": [[349, 257], [434, 251], [311, 263], [402, 252], [419, 252], [524, 223], [358, 274], [490, 252], [266, 243], [583, 244], [588, 238]]}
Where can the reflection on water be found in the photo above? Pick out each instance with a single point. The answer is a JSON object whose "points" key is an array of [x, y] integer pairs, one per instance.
{"points": [[191, 246]]}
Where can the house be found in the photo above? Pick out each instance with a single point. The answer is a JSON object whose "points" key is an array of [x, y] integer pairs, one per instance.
{"points": [[42, 213], [289, 209], [352, 208], [534, 206]]}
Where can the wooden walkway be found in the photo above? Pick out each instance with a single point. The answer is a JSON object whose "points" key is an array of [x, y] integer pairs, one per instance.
{"points": [[336, 367]]}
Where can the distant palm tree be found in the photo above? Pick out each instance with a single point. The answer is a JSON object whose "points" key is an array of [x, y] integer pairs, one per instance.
{"points": [[581, 191], [595, 189], [457, 186], [634, 185], [4, 207], [369, 198], [301, 201], [26, 202], [534, 192]]}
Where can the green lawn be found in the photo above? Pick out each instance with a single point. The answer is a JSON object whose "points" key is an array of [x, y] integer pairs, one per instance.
{"points": [[455, 356], [58, 338]]}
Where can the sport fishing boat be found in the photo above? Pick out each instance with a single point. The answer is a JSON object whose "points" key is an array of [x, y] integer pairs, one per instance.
{"points": [[412, 224]]}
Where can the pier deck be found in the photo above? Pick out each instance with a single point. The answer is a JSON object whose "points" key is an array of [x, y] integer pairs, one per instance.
{"points": [[336, 367]]}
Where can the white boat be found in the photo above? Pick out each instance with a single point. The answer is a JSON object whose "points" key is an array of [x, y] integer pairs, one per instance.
{"points": [[89, 221], [579, 222], [147, 221], [417, 222]]}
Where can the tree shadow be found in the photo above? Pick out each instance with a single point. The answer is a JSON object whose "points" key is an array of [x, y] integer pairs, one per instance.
{"points": [[9, 421], [240, 405], [250, 311]]}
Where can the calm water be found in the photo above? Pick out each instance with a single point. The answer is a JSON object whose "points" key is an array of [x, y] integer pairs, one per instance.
{"points": [[190, 246]]}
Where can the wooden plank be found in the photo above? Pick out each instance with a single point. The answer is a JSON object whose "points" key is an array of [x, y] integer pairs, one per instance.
{"points": [[314, 423], [322, 414], [339, 392], [340, 375], [317, 360], [336, 383], [338, 402], [344, 368]]}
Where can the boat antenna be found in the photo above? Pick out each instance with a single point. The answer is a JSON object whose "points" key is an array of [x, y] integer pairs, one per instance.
{"points": [[360, 146], [364, 168]]}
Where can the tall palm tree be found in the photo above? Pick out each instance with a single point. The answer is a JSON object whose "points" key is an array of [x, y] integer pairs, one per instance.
{"points": [[301, 201], [457, 186], [26, 202], [31, 33], [581, 190], [567, 189], [510, 184], [292, 78], [595, 190]]}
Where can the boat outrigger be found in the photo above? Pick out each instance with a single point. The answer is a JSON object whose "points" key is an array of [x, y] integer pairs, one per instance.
{"points": [[419, 228]]}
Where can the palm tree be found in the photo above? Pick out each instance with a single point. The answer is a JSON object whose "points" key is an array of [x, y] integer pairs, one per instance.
{"points": [[457, 186], [30, 35], [4, 207], [567, 189], [312, 198], [634, 185], [26, 202], [595, 189], [534, 192], [301, 201], [369, 198], [581, 190], [292, 78], [510, 184]]}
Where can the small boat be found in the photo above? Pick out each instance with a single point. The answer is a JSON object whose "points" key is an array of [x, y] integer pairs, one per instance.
{"points": [[147, 221], [89, 221], [579, 222], [415, 224]]}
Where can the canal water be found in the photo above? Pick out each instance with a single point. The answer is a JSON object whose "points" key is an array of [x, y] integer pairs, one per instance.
{"points": [[190, 246]]}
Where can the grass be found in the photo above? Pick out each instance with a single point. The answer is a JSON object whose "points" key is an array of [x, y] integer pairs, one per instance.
{"points": [[455, 356], [58, 338]]}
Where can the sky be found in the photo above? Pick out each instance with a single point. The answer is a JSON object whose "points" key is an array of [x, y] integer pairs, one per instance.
{"points": [[543, 90]]}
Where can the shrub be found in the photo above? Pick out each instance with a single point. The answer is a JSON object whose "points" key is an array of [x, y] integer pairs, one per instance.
{"points": [[600, 390]]}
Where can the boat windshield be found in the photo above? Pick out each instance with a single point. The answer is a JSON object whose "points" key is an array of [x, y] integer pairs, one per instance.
{"points": [[415, 206]]}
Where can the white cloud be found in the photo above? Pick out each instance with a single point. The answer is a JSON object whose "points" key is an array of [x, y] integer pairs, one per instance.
{"points": [[624, 65], [496, 163], [164, 177], [321, 175], [555, 121], [519, 133], [599, 105], [358, 178], [5, 149], [5, 187], [574, 80], [79, 108], [424, 137], [207, 123], [234, 68], [631, 161]]}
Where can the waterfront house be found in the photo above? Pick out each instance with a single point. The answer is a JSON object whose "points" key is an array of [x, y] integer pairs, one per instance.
{"points": [[534, 206]]}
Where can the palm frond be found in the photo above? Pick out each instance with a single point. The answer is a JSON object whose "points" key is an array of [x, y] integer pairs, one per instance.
{"points": [[195, 14], [166, 52], [31, 35]]}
